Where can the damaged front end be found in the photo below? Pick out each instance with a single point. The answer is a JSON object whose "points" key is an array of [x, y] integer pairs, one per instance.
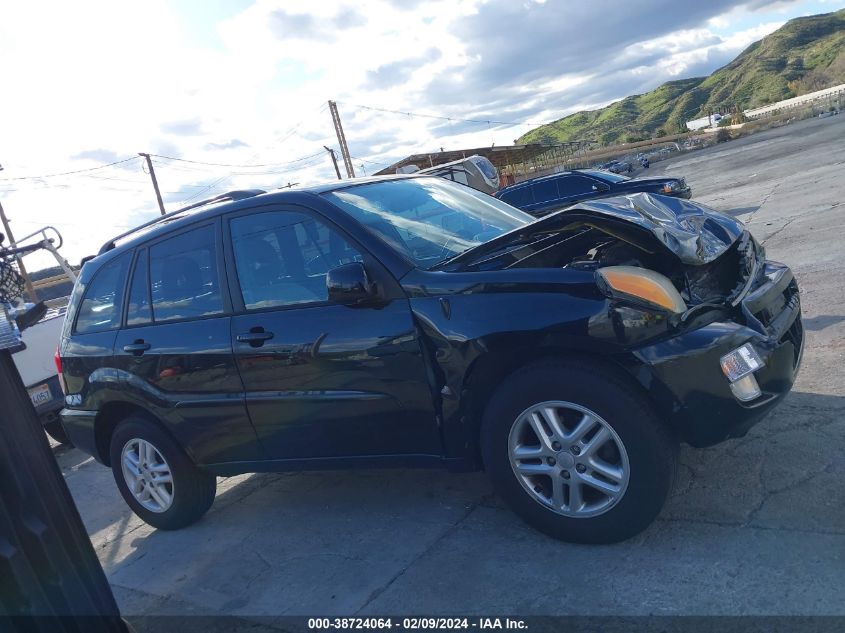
{"points": [[686, 261], [689, 292]]}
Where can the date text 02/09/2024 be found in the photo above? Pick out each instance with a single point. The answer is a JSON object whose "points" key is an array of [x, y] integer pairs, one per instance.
{"points": [[417, 623]]}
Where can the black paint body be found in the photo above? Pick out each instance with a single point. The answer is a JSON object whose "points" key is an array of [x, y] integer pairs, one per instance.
{"points": [[401, 379]]}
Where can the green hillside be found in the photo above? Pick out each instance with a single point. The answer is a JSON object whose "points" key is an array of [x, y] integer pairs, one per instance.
{"points": [[803, 55]]}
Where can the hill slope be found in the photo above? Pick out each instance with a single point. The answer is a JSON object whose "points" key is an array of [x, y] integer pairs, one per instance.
{"points": [[805, 54]]}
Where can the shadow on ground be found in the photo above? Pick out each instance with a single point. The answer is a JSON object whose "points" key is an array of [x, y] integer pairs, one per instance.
{"points": [[427, 541]]}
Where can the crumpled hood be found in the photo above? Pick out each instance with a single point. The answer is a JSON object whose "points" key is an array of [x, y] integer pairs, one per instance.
{"points": [[695, 233]]}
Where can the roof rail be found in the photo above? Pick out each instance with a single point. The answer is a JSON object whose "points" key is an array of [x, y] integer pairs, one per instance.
{"points": [[240, 194]]}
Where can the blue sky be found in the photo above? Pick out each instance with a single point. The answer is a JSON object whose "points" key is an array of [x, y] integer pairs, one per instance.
{"points": [[246, 82]]}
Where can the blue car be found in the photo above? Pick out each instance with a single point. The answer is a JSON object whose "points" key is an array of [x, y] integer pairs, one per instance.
{"points": [[540, 196]]}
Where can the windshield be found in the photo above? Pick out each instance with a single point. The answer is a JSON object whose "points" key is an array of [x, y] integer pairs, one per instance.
{"points": [[429, 219], [609, 176]]}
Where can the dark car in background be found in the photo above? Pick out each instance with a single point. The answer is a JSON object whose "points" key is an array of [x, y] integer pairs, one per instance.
{"points": [[415, 322], [617, 166], [540, 196]]}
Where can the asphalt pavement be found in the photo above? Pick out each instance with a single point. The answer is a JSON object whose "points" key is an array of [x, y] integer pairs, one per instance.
{"points": [[754, 526]]}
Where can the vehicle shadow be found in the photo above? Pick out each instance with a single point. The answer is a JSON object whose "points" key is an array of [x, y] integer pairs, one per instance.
{"points": [[784, 474], [821, 322], [741, 211], [338, 529]]}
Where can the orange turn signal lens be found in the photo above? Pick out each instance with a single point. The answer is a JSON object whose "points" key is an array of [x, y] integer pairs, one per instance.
{"points": [[644, 284]]}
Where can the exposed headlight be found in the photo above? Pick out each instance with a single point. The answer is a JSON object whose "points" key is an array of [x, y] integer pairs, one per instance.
{"points": [[643, 284]]}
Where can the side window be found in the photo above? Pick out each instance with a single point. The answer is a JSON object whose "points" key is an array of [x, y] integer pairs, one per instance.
{"points": [[282, 258], [546, 191], [183, 276], [576, 185], [103, 300], [139, 311]]}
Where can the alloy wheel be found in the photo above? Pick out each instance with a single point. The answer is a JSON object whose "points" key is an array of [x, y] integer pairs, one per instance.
{"points": [[147, 475], [568, 459]]}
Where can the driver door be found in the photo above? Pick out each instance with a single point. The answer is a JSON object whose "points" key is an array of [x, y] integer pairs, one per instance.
{"points": [[322, 380]]}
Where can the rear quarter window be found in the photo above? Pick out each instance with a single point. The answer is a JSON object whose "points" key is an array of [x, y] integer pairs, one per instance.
{"points": [[102, 301], [519, 197]]}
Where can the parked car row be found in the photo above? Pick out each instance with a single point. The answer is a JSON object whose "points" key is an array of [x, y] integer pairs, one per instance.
{"points": [[413, 321]]}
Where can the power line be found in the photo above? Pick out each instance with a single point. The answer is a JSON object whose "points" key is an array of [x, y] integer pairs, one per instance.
{"points": [[69, 173], [372, 162], [444, 118], [136, 181], [286, 136], [198, 162]]}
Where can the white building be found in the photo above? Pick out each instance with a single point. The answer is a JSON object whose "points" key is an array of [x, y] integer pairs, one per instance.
{"points": [[700, 124]]}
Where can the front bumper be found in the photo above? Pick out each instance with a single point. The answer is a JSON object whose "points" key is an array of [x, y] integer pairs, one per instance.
{"points": [[684, 377]]}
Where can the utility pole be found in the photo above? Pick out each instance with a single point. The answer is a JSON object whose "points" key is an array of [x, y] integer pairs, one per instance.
{"points": [[30, 289], [334, 161], [155, 182], [341, 140]]}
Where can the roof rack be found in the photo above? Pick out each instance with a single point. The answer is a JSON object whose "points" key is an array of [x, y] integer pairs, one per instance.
{"points": [[240, 194]]}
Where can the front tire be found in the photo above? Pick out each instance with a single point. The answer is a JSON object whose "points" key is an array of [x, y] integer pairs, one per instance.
{"points": [[577, 452], [156, 478]]}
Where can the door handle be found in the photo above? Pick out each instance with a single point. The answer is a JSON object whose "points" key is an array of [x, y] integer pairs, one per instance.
{"points": [[255, 337], [137, 348]]}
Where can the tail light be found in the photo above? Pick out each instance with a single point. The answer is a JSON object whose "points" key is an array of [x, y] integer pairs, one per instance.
{"points": [[58, 360]]}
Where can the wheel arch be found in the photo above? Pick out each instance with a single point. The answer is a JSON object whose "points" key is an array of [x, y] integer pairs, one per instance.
{"points": [[113, 413], [491, 369]]}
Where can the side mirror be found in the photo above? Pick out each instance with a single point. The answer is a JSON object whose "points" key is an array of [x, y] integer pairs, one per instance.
{"points": [[349, 284]]}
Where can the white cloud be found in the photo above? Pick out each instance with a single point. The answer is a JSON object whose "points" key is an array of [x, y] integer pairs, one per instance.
{"points": [[97, 79]]}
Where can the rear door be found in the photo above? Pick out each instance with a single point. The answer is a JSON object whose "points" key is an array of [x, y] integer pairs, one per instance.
{"points": [[545, 194], [322, 380], [174, 349]]}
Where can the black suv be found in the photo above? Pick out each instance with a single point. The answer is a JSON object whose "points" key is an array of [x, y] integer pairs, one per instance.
{"points": [[541, 196], [415, 322]]}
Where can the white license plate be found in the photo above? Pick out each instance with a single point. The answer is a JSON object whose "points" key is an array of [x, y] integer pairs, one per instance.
{"points": [[40, 395]]}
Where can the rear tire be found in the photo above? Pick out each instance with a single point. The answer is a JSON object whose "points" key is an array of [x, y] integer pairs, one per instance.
{"points": [[55, 430], [157, 479], [569, 486]]}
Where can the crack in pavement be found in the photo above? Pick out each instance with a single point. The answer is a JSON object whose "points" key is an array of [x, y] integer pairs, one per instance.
{"points": [[762, 204], [747, 526], [449, 530], [786, 224]]}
